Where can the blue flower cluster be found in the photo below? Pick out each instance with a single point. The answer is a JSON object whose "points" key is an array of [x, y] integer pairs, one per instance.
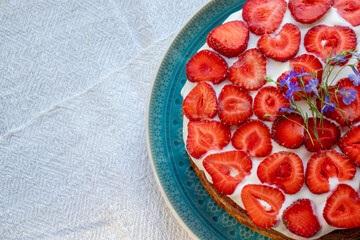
{"points": [[313, 85]]}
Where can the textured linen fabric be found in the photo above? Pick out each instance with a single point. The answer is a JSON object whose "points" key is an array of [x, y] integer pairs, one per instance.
{"points": [[74, 84]]}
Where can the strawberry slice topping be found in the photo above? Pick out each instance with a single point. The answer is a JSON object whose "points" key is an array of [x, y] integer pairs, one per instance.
{"points": [[283, 169], [305, 11], [351, 111], [205, 135], [200, 103], [282, 46], [254, 196], [288, 131], [350, 144], [268, 100], [206, 66], [264, 16], [328, 134], [300, 219], [228, 169], [342, 208], [324, 165], [249, 70], [229, 39], [349, 10], [323, 40], [235, 105], [309, 64], [253, 137]]}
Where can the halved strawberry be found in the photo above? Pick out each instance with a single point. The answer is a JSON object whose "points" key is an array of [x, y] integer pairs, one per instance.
{"points": [[206, 66], [324, 165], [328, 133], [351, 112], [300, 219], [342, 208], [309, 64], [306, 11], [229, 39], [200, 103], [283, 169], [227, 169], [264, 16], [268, 100], [288, 131], [262, 215], [323, 40], [249, 70], [235, 105], [253, 137], [205, 135], [282, 46], [349, 10], [350, 144]]}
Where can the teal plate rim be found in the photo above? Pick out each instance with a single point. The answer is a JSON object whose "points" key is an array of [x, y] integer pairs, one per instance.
{"points": [[181, 189]]}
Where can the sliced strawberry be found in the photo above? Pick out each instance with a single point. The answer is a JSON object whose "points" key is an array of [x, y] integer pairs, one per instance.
{"points": [[200, 103], [228, 169], [206, 66], [351, 112], [268, 100], [264, 16], [262, 215], [229, 39], [205, 135], [288, 131], [298, 95], [305, 11], [350, 144], [309, 64], [283, 169], [328, 134], [323, 40], [349, 10], [342, 208], [282, 46], [324, 165], [300, 219], [253, 137], [249, 70], [235, 105]]}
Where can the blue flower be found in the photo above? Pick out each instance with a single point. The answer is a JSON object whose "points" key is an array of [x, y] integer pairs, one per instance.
{"points": [[338, 58], [328, 106], [355, 77], [312, 86], [291, 75], [292, 89], [285, 109], [348, 96], [288, 77], [283, 82]]}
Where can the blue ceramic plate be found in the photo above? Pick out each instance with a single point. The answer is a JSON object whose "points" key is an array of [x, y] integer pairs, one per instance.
{"points": [[179, 184]]}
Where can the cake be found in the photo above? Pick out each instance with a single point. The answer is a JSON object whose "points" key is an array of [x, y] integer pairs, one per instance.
{"points": [[271, 112]]}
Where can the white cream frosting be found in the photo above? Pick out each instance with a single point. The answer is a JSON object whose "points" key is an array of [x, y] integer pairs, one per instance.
{"points": [[274, 70]]}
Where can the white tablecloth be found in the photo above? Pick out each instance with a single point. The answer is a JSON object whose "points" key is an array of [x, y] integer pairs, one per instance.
{"points": [[74, 84]]}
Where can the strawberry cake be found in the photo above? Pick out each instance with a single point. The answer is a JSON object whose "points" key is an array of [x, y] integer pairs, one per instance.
{"points": [[271, 112]]}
